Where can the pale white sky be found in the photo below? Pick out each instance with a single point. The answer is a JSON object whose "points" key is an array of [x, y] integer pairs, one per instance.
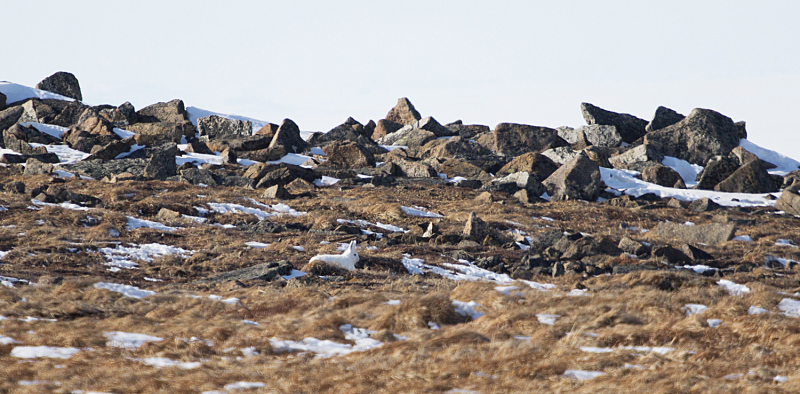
{"points": [[318, 62]]}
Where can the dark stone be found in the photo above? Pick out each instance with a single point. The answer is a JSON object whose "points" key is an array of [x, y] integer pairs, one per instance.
{"points": [[600, 135], [197, 176], [749, 178], [18, 139], [695, 253], [283, 174], [663, 117], [510, 139], [709, 234], [745, 157], [637, 158], [171, 112], [579, 179], [9, 117], [789, 201], [161, 166], [538, 165], [162, 122], [409, 168], [697, 138], [670, 254], [62, 83], [277, 192], [59, 195], [36, 167], [110, 150], [590, 246], [403, 113], [704, 205], [288, 137], [15, 187], [452, 148], [629, 127], [626, 269], [384, 128], [261, 227], [717, 169], [196, 146], [633, 247], [3, 98], [229, 156], [476, 229], [661, 175], [458, 167], [348, 155], [216, 127]]}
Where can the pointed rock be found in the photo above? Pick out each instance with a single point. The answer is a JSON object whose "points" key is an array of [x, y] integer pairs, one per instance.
{"points": [[661, 175], [578, 179], [628, 126], [476, 229], [511, 139], [749, 178], [276, 192], [538, 165], [288, 136], [63, 83], [716, 170], [663, 117], [789, 201], [403, 113]]}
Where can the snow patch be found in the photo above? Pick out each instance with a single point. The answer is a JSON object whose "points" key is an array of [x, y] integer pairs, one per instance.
{"points": [[123, 257], [126, 290], [134, 223], [467, 309], [733, 288], [43, 352]]}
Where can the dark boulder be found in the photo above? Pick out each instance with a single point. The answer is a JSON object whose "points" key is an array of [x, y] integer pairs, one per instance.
{"points": [[403, 113], [716, 170], [511, 139], [288, 137], [700, 136], [744, 157], [663, 117], [661, 175], [384, 128], [704, 205], [789, 201], [63, 83], [749, 178], [599, 135], [628, 126], [538, 165], [710, 234], [216, 127], [578, 179], [347, 155]]}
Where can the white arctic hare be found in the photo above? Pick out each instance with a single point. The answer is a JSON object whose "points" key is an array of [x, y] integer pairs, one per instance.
{"points": [[346, 260]]}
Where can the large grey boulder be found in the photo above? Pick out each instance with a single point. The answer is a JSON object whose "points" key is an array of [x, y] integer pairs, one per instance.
{"points": [[710, 234], [749, 178], [600, 135], [662, 175], [215, 127], [18, 139], [288, 137], [512, 139], [578, 179], [789, 201], [700, 136], [663, 117], [162, 122], [569, 134], [637, 158], [403, 113], [744, 156], [63, 83], [629, 127], [347, 154], [538, 165]]}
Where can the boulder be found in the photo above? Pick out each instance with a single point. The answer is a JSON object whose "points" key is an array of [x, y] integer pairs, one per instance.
{"points": [[629, 127], [637, 158], [600, 135], [384, 128], [216, 127], [569, 134], [229, 156], [538, 165], [561, 155], [704, 205], [276, 192], [695, 253], [161, 164], [170, 112], [62, 83], [268, 130], [57, 195], [162, 122], [35, 167], [633, 247], [9, 117], [414, 138], [749, 178], [403, 113], [348, 155], [466, 131], [663, 117], [410, 168], [288, 137], [716, 170], [3, 98], [789, 201], [458, 167], [590, 246], [669, 254], [476, 229], [510, 139], [516, 181], [283, 174], [709, 234], [577, 179], [455, 148], [122, 116], [744, 157], [16, 138], [700, 136], [661, 175], [111, 150]]}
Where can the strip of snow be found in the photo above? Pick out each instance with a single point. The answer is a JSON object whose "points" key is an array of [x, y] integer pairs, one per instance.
{"points": [[66, 155], [65, 205], [546, 318], [538, 286], [506, 290], [467, 309], [128, 340], [419, 212], [16, 92], [686, 170], [785, 242], [743, 238], [693, 309], [161, 362], [127, 291], [626, 182], [733, 288], [789, 307], [279, 209], [134, 223], [203, 158], [123, 257], [6, 340], [785, 164], [698, 268], [43, 352], [783, 261], [582, 375]]}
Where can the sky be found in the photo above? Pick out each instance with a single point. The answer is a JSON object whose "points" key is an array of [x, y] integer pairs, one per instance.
{"points": [[319, 62]]}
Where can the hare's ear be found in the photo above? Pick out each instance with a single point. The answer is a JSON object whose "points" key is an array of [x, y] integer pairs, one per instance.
{"points": [[353, 244]]}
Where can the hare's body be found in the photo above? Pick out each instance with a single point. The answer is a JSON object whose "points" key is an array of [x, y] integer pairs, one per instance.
{"points": [[346, 260]]}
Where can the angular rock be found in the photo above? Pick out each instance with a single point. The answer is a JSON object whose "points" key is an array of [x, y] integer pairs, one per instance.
{"points": [[695, 253], [62, 83], [600, 135], [569, 134], [110, 150], [288, 137], [403, 113], [3, 99], [415, 138], [9, 117], [590, 246], [538, 165], [466, 131], [633, 247], [476, 229], [661, 175], [637, 158], [283, 174], [629, 127], [218, 127], [348, 155], [749, 178], [268, 130], [384, 128], [510, 139], [18, 137], [704, 205], [697, 138], [561, 155], [744, 157], [36, 167], [198, 176], [716, 170], [789, 201], [578, 179], [172, 111], [663, 117], [411, 169], [670, 254], [57, 195], [158, 132], [709, 234], [456, 148], [161, 165], [229, 156], [122, 116], [276, 192], [99, 169]]}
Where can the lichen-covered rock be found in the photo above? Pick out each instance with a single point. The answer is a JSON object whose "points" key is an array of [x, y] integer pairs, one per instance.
{"points": [[403, 113], [578, 179], [63, 83], [629, 127], [511, 139]]}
